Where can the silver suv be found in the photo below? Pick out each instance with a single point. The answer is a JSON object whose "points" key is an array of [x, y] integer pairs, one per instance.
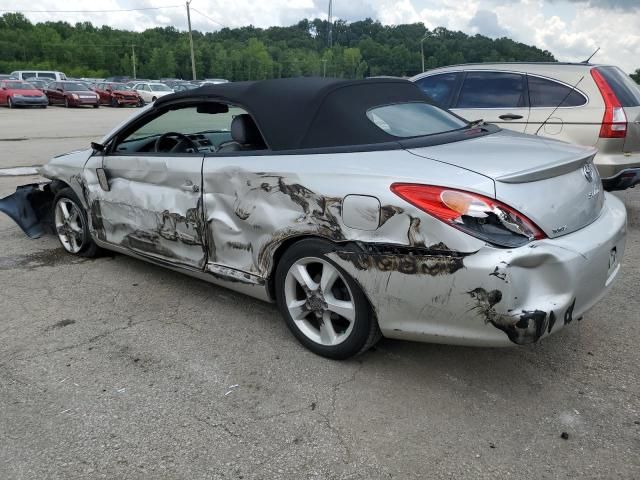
{"points": [[595, 105]]}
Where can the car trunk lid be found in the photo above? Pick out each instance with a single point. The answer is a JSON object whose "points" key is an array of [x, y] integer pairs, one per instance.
{"points": [[553, 183]]}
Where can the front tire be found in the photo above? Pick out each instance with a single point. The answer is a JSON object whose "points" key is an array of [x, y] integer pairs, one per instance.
{"points": [[66, 103], [323, 306], [71, 224], [10, 103]]}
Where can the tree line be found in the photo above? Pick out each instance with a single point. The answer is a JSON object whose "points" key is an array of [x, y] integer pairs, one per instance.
{"points": [[363, 48]]}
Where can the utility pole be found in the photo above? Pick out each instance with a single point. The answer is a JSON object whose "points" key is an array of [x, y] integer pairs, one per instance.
{"points": [[422, 49], [193, 57], [330, 20], [133, 59]]}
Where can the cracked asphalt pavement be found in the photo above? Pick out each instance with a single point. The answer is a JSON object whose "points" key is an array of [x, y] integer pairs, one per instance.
{"points": [[114, 368]]}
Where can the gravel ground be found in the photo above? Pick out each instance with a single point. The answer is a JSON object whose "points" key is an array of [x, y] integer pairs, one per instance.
{"points": [[114, 368]]}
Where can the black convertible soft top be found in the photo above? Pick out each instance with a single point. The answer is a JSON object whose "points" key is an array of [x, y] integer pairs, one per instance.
{"points": [[302, 113]]}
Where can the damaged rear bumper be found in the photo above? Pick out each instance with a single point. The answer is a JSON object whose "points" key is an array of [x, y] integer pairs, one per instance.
{"points": [[493, 297], [30, 208]]}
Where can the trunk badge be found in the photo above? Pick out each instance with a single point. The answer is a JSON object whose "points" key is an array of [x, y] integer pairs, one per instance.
{"points": [[587, 171]]}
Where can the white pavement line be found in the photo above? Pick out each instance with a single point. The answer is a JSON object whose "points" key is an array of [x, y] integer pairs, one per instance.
{"points": [[18, 171]]}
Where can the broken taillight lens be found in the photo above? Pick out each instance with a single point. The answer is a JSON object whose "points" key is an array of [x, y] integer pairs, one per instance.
{"points": [[477, 215]]}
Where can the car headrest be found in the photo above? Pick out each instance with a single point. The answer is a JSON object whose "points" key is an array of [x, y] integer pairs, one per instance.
{"points": [[244, 131]]}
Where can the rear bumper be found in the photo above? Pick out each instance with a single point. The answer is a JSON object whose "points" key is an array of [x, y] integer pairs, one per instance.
{"points": [[611, 165], [494, 297], [627, 178]]}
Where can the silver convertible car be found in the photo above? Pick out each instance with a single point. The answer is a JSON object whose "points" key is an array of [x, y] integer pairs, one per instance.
{"points": [[359, 207]]}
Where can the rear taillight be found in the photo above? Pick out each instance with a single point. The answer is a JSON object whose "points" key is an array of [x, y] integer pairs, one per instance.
{"points": [[477, 215], [614, 122]]}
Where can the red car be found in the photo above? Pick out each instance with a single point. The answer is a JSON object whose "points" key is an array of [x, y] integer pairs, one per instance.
{"points": [[71, 94], [15, 93], [118, 94]]}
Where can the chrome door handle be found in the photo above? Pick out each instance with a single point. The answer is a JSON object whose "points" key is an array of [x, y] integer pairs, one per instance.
{"points": [[190, 187]]}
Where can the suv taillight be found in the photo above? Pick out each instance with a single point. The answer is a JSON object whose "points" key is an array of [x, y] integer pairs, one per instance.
{"points": [[614, 122], [477, 215]]}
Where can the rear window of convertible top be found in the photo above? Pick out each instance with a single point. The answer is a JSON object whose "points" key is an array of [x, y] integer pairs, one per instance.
{"points": [[413, 119]]}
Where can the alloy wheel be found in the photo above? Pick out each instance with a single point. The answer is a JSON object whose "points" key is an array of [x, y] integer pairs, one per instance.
{"points": [[69, 225], [319, 301]]}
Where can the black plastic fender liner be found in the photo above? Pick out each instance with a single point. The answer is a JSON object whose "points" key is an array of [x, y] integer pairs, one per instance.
{"points": [[30, 207]]}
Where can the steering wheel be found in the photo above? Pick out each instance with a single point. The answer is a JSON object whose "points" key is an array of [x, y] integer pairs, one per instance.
{"points": [[181, 140]]}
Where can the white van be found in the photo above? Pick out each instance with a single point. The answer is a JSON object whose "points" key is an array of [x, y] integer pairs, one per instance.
{"points": [[48, 74]]}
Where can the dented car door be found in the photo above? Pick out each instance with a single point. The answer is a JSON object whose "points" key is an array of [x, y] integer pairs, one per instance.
{"points": [[152, 206]]}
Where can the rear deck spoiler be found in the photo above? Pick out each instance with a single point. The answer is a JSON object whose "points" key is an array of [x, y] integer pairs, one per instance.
{"points": [[548, 170]]}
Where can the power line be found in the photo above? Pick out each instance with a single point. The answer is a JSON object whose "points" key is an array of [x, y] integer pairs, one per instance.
{"points": [[91, 11], [208, 18]]}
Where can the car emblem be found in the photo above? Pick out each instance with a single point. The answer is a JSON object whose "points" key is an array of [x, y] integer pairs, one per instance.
{"points": [[587, 171]]}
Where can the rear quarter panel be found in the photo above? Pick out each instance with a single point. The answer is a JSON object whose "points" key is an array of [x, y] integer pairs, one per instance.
{"points": [[254, 204]]}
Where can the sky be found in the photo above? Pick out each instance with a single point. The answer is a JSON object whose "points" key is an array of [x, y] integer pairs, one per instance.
{"points": [[570, 29]]}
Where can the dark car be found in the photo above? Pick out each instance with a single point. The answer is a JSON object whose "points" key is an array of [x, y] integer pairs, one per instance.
{"points": [[71, 94], [40, 83], [181, 87], [117, 79], [117, 94]]}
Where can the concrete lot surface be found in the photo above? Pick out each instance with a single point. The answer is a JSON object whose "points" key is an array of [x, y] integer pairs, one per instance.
{"points": [[113, 368]]}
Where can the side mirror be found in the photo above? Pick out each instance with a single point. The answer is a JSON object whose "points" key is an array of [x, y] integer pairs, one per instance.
{"points": [[59, 90], [109, 90], [98, 147]]}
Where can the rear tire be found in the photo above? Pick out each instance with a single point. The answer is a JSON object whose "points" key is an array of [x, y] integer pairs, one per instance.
{"points": [[153, 99], [97, 105], [72, 226], [323, 306]]}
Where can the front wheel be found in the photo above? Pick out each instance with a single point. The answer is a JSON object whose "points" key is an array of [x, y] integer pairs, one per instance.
{"points": [[72, 226], [97, 105], [10, 102], [66, 102], [323, 306]]}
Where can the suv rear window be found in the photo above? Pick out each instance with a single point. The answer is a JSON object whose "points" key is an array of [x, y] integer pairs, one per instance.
{"points": [[547, 93], [413, 119], [627, 91]]}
